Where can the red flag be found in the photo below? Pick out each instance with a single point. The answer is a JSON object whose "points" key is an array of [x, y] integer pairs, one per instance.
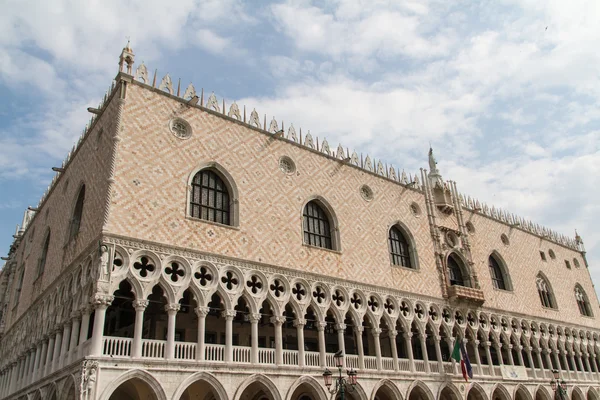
{"points": [[463, 368]]}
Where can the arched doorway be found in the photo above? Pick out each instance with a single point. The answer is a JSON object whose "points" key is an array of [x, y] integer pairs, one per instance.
{"points": [[257, 389], [522, 394], [500, 393], [388, 391], [450, 393], [308, 389], [476, 393], [133, 389], [420, 392]]}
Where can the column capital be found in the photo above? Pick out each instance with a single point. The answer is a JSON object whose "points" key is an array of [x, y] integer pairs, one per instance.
{"points": [[360, 329], [229, 314], [102, 300], [393, 333], [476, 342], [140, 305], [299, 322], [172, 307], [376, 332], [277, 320], [202, 311], [321, 326], [76, 314], [407, 335], [254, 317], [340, 327], [488, 343]]}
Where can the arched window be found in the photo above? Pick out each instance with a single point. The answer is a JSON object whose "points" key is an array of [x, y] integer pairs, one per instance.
{"points": [[456, 271], [499, 279], [210, 198], [42, 260], [399, 248], [316, 225], [19, 286], [582, 302], [545, 292], [77, 213]]}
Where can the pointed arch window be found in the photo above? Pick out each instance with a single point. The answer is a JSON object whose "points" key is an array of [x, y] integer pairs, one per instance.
{"points": [[545, 292], [498, 274], [210, 198], [44, 256], [316, 226], [583, 302], [19, 286], [455, 270], [77, 214], [400, 250]]}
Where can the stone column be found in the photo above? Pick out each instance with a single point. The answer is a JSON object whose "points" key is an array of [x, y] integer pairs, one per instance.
{"points": [[278, 323], [438, 353], [530, 359], [572, 357], [13, 378], [477, 357], [299, 324], [201, 312], [488, 354], [171, 310], [24, 367], [36, 364], [56, 352], [511, 359], [340, 329], [75, 327], [566, 363], [376, 332], [358, 331], [254, 318], [229, 315], [499, 352], [580, 363], [321, 330], [548, 358], [394, 347], [520, 354], [586, 359], [138, 329], [101, 303], [411, 358], [538, 354], [424, 351], [64, 346], [49, 355], [594, 366], [83, 329]]}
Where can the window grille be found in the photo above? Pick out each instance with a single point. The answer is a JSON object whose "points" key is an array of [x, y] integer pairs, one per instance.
{"points": [[210, 198], [317, 231]]}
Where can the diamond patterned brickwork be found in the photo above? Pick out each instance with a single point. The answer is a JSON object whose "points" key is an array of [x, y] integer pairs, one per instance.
{"points": [[154, 167], [89, 166], [522, 256], [149, 203]]}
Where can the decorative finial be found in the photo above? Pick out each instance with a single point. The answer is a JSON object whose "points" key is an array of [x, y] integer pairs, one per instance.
{"points": [[127, 57]]}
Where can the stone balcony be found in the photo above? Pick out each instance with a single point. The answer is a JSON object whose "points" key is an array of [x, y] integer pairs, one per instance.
{"points": [[467, 294]]}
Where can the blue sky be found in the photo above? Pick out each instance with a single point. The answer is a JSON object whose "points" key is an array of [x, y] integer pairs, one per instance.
{"points": [[506, 91]]}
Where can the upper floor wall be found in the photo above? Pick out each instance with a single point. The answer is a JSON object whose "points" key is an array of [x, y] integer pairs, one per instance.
{"points": [[153, 184], [62, 228]]}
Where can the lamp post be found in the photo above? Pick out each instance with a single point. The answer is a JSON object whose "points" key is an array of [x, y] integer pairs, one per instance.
{"points": [[341, 383], [559, 387]]}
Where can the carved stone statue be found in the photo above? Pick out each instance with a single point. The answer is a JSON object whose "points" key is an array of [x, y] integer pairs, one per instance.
{"points": [[104, 256], [88, 379]]}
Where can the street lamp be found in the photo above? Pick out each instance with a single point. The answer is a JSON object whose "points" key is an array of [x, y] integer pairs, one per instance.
{"points": [[341, 384], [559, 387]]}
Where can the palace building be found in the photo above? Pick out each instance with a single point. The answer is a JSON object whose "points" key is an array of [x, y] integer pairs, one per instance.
{"points": [[191, 249]]}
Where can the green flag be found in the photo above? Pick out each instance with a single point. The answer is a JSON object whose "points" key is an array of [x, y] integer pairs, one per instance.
{"points": [[456, 352]]}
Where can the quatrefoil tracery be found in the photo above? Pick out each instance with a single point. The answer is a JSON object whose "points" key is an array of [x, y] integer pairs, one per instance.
{"points": [[204, 276], [389, 306], [446, 315], [277, 288], [319, 294], [338, 297], [230, 280], [254, 284], [175, 271], [356, 301], [373, 303], [404, 309], [299, 291], [419, 312], [433, 314], [144, 266]]}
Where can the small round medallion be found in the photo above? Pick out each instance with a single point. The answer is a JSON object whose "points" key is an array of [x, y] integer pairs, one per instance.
{"points": [[286, 165], [180, 128], [366, 192]]}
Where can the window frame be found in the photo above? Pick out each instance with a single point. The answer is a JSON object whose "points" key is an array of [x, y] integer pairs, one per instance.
{"points": [[583, 303], [465, 278], [77, 214], [546, 294], [321, 221], [411, 254], [502, 269]]}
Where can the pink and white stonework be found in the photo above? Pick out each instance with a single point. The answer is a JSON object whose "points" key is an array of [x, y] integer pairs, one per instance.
{"points": [[172, 258]]}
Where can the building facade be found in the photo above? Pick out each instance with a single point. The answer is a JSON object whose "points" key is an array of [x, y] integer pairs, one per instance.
{"points": [[188, 250]]}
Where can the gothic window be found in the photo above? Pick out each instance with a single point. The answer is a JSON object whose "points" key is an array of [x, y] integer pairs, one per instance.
{"points": [[545, 292], [77, 213], [456, 271], [316, 225], [582, 302], [497, 272], [42, 260], [210, 199], [399, 248]]}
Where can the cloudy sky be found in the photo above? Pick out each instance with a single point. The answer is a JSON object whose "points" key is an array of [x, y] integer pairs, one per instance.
{"points": [[506, 91]]}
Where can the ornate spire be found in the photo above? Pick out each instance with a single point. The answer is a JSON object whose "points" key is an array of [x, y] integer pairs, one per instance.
{"points": [[127, 57], [434, 174]]}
